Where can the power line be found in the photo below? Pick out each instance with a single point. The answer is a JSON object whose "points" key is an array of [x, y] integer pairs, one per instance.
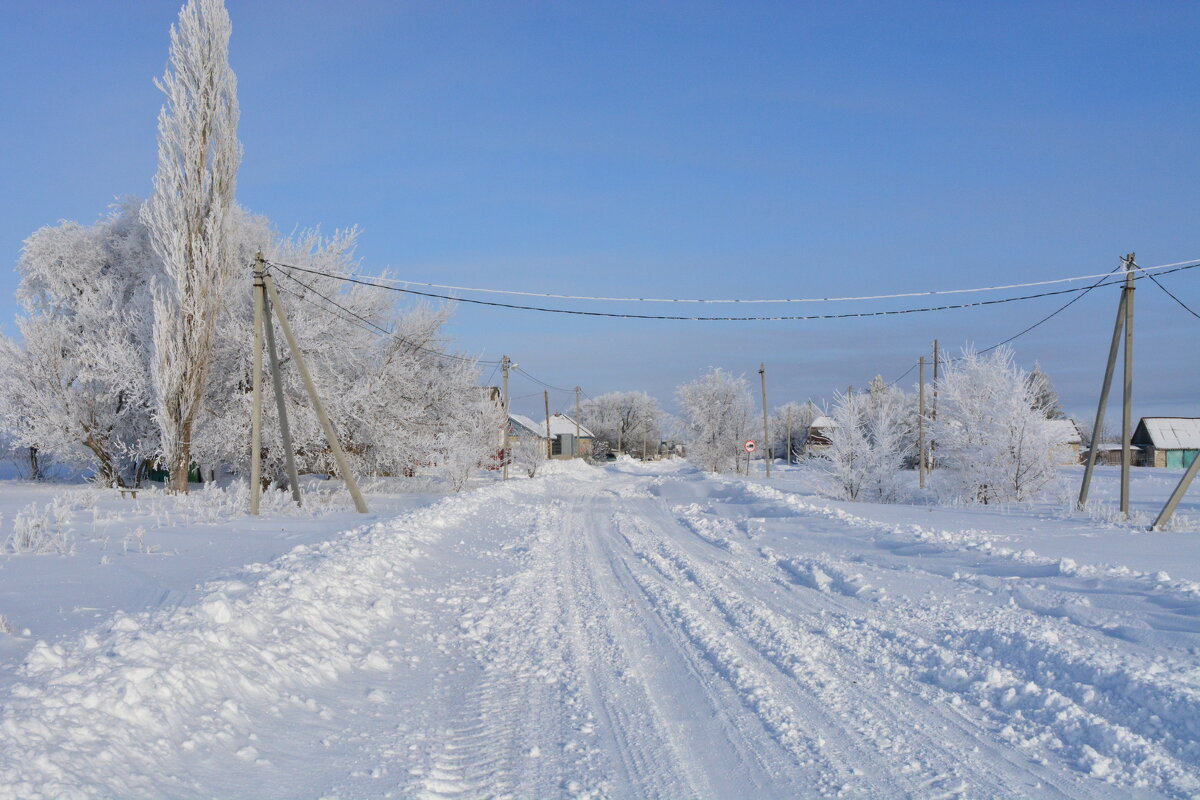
{"points": [[1041, 321], [1169, 293], [599, 298], [377, 328], [543, 383], [862, 314]]}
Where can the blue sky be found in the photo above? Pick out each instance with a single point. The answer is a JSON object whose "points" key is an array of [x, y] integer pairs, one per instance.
{"points": [[740, 149]]}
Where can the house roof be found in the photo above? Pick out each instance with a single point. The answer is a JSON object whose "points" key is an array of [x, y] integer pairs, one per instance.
{"points": [[1172, 433], [561, 423], [822, 422], [524, 426], [1066, 431]]}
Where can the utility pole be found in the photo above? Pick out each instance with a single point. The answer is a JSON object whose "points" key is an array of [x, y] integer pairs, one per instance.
{"points": [[921, 426], [789, 438], [256, 391], [504, 364], [549, 445], [762, 374], [330, 436], [1098, 426], [1127, 401], [936, 362], [285, 430], [576, 422]]}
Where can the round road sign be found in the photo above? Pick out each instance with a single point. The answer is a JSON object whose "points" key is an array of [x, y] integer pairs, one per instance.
{"points": [[750, 446]]}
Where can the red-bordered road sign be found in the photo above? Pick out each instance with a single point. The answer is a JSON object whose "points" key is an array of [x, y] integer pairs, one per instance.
{"points": [[750, 445]]}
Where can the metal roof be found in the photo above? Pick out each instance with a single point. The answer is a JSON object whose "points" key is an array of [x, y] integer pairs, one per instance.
{"points": [[1066, 431], [561, 423], [1173, 433]]}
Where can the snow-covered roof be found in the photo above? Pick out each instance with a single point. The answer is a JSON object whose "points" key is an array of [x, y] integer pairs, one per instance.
{"points": [[530, 427], [1066, 431], [823, 422], [561, 423], [1173, 433]]}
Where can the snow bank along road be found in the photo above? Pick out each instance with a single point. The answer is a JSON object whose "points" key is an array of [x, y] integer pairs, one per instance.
{"points": [[629, 632]]}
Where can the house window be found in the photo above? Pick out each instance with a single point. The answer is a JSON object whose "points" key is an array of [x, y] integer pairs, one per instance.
{"points": [[556, 446]]}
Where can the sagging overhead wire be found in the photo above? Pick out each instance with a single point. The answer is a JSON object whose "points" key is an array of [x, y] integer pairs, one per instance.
{"points": [[1186, 307], [781, 318], [382, 279], [373, 327], [1041, 321]]}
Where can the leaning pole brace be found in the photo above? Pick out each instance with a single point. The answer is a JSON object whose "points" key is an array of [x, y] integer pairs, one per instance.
{"points": [[256, 394], [311, 388], [1098, 427], [1164, 516], [285, 430]]}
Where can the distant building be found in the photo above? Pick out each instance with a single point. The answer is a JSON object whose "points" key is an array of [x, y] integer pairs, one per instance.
{"points": [[817, 439], [1072, 440], [563, 441], [1168, 441]]}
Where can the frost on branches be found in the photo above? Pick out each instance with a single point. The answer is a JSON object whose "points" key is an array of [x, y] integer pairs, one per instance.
{"points": [[78, 385], [717, 412], [994, 443], [188, 219], [869, 443], [628, 419]]}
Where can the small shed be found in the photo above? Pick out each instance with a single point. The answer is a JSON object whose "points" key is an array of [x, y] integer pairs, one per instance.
{"points": [[563, 441], [1070, 439], [817, 439], [1168, 441]]}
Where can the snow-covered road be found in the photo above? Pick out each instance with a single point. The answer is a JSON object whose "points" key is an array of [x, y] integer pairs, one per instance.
{"points": [[630, 632]]}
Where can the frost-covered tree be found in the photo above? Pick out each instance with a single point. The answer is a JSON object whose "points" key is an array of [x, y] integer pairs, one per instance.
{"points": [[467, 438], [625, 418], [528, 453], [717, 414], [188, 218], [77, 385], [788, 426], [1044, 393], [995, 444], [869, 444]]}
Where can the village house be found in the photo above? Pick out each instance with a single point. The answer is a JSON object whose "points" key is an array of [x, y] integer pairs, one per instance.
{"points": [[1071, 449], [1167, 441], [817, 439], [563, 440]]}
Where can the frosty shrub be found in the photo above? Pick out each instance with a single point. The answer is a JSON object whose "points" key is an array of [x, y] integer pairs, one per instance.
{"points": [[38, 529], [994, 443], [528, 454], [627, 418], [717, 414], [869, 444], [5, 625]]}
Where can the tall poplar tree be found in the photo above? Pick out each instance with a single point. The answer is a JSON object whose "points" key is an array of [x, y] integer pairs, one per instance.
{"points": [[188, 218]]}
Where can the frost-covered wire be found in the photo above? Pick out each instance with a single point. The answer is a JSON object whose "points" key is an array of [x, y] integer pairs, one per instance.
{"points": [[779, 318], [1170, 294], [898, 295]]}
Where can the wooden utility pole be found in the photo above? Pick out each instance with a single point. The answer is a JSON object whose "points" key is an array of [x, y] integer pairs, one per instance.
{"points": [[549, 444], [762, 374], [1098, 426], [1124, 324], [1127, 400], [936, 361], [330, 436], [789, 439], [285, 430], [504, 365], [921, 426], [256, 391], [576, 422]]}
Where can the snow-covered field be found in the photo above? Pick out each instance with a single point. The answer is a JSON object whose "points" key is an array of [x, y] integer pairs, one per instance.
{"points": [[627, 631]]}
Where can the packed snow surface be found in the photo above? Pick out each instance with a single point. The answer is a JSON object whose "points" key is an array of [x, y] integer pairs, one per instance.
{"points": [[635, 631]]}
